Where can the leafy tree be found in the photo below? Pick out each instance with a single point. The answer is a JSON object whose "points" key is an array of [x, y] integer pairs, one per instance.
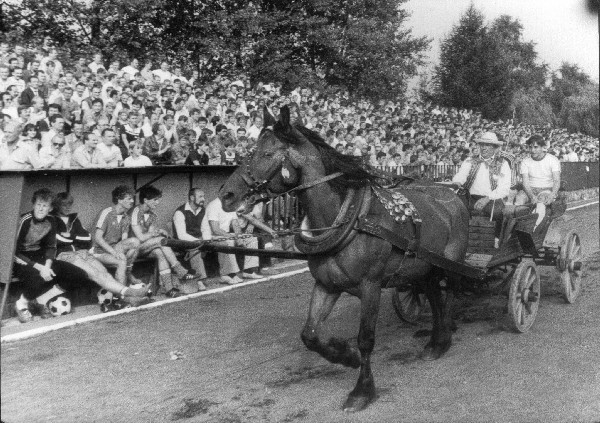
{"points": [[485, 66], [531, 106], [580, 112], [473, 72], [360, 46]]}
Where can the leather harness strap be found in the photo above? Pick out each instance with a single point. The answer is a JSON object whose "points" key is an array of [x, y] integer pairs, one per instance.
{"points": [[371, 227]]}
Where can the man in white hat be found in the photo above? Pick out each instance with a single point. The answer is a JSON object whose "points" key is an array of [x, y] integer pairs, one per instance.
{"points": [[487, 177]]}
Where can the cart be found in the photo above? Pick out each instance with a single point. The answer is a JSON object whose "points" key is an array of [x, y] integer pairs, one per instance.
{"points": [[513, 264]]}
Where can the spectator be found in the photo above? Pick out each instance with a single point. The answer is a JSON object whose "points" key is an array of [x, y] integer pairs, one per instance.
{"points": [[144, 227], [75, 138], [57, 126], [199, 154], [179, 151], [30, 92], [24, 153], [136, 159], [112, 244], [96, 63], [57, 155], [156, 146], [108, 150], [87, 156]]}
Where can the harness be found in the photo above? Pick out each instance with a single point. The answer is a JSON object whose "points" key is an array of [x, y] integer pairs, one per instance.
{"points": [[259, 189]]}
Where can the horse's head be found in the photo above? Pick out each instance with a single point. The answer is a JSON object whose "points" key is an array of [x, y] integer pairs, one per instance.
{"points": [[273, 167]]}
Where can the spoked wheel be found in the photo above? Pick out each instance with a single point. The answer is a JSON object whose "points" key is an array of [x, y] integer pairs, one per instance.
{"points": [[571, 266], [524, 296], [408, 305]]}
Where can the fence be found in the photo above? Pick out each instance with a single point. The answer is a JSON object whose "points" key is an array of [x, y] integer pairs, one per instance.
{"points": [[576, 175], [285, 213]]}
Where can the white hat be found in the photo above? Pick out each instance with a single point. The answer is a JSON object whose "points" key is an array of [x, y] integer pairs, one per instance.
{"points": [[488, 138]]}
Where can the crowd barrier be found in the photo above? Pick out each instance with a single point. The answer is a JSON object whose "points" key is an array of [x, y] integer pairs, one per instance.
{"points": [[576, 175]]}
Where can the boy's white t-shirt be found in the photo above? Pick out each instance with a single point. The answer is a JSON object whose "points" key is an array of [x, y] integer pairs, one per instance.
{"points": [[540, 171]]}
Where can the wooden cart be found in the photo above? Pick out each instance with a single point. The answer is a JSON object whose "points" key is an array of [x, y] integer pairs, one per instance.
{"points": [[513, 264]]}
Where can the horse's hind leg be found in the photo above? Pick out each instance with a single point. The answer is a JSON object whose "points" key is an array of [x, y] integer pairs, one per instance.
{"points": [[334, 350], [439, 296], [364, 391]]}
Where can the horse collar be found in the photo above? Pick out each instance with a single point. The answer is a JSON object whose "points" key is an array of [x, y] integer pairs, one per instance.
{"points": [[356, 203]]}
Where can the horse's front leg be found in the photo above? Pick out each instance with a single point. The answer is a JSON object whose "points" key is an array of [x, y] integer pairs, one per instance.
{"points": [[439, 296], [364, 391], [334, 350]]}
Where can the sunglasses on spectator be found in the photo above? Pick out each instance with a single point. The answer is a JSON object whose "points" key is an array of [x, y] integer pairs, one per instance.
{"points": [[58, 144]]}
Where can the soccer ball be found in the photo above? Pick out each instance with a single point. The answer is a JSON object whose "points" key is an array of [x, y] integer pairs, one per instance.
{"points": [[59, 306], [105, 297]]}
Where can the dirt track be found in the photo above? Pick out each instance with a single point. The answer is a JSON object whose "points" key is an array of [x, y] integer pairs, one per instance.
{"points": [[243, 361]]}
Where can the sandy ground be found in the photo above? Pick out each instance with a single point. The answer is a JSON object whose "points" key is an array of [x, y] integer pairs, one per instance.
{"points": [[242, 361]]}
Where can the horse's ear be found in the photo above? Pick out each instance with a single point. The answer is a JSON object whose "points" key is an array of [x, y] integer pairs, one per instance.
{"points": [[268, 119], [284, 116]]}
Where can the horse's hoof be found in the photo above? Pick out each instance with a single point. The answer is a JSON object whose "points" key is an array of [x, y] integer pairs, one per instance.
{"points": [[353, 360], [357, 403], [435, 351], [422, 333]]}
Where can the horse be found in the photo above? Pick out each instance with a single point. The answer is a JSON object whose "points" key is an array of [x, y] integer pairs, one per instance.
{"points": [[336, 192]]}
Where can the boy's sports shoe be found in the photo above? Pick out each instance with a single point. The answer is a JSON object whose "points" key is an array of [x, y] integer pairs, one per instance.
{"points": [[24, 315], [42, 310]]}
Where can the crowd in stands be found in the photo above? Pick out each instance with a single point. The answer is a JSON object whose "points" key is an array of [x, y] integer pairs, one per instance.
{"points": [[95, 113]]}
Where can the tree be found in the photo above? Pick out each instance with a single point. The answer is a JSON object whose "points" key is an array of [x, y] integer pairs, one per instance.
{"points": [[580, 112], [472, 72], [531, 106], [360, 46], [357, 45], [485, 66]]}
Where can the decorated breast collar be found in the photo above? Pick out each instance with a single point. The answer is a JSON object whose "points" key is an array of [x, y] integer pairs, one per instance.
{"points": [[398, 206]]}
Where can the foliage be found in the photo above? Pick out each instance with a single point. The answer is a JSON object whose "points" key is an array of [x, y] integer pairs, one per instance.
{"points": [[360, 46], [532, 107], [483, 67], [580, 112]]}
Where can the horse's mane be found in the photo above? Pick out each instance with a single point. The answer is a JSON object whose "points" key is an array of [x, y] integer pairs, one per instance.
{"points": [[356, 172]]}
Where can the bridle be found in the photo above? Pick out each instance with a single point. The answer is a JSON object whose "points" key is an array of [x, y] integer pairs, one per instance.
{"points": [[259, 188]]}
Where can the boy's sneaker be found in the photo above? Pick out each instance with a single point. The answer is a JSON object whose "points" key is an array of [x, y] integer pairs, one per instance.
{"points": [[24, 315], [42, 310], [136, 301], [201, 286], [251, 276], [228, 280]]}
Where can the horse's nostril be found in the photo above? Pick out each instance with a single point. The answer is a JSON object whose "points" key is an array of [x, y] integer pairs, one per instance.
{"points": [[227, 195]]}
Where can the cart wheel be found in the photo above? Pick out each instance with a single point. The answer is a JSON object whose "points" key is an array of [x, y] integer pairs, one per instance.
{"points": [[572, 266], [524, 296], [408, 305]]}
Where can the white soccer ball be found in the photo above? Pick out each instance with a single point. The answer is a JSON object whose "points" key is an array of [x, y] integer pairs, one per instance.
{"points": [[59, 306], [105, 297]]}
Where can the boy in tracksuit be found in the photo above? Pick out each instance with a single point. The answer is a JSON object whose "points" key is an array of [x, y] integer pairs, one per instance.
{"points": [[42, 277]]}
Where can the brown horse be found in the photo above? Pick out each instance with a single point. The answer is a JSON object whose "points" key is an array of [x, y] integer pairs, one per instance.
{"points": [[336, 191]]}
